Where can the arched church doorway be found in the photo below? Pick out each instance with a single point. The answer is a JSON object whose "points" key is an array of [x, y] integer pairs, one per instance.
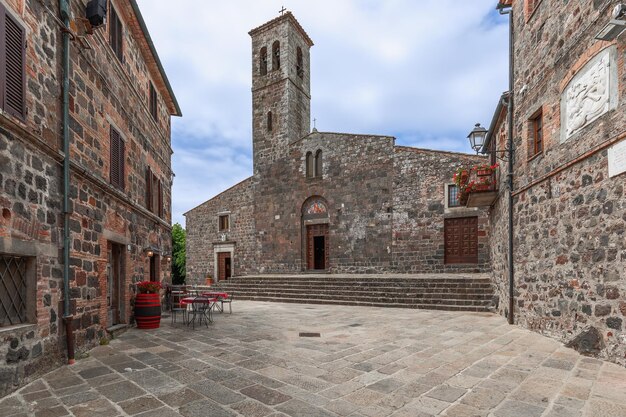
{"points": [[315, 221]]}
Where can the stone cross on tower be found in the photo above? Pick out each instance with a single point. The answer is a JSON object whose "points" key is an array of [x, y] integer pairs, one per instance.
{"points": [[282, 10]]}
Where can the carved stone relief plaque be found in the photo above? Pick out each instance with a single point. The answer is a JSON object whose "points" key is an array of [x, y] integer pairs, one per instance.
{"points": [[590, 94]]}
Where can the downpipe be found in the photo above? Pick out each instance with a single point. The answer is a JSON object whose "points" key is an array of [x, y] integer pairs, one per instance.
{"points": [[511, 315], [67, 317]]}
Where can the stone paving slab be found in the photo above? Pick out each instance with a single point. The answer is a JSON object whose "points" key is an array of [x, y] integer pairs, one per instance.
{"points": [[371, 362]]}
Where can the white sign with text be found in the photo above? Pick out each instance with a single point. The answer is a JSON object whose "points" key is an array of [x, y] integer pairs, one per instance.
{"points": [[617, 159]]}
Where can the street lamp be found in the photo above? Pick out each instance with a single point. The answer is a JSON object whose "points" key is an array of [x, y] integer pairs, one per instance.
{"points": [[477, 137]]}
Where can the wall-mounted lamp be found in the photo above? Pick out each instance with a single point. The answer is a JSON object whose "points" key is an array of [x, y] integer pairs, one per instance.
{"points": [[149, 252], [477, 139], [615, 26]]}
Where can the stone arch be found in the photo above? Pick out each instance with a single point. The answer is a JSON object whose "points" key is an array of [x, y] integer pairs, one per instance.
{"points": [[276, 56], [263, 61], [318, 163], [309, 167]]}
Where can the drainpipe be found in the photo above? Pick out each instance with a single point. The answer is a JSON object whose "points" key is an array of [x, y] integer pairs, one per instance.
{"points": [[67, 317], [511, 153]]}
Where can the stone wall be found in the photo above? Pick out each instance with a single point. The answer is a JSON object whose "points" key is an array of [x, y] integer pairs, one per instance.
{"points": [[204, 236], [569, 216], [360, 224], [104, 92], [419, 211]]}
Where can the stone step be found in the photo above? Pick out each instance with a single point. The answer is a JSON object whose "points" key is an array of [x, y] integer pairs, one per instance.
{"points": [[483, 300], [443, 292], [339, 286], [446, 307], [486, 295]]}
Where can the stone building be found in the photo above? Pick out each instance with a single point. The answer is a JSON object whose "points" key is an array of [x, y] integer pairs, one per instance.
{"points": [[120, 104], [331, 202], [569, 126]]}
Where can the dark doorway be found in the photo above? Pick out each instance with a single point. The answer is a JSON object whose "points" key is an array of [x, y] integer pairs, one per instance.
{"points": [[224, 266], [154, 268], [115, 269], [318, 252], [461, 240], [317, 247]]}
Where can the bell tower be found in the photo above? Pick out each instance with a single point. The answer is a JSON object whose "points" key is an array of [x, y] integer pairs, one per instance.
{"points": [[281, 89]]}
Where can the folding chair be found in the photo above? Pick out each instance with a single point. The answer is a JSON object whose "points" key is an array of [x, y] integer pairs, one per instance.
{"points": [[229, 301]]}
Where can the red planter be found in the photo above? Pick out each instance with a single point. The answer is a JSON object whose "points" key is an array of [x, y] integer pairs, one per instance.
{"points": [[484, 172], [148, 311]]}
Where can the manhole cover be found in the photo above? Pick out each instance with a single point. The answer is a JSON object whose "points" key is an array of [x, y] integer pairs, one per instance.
{"points": [[305, 334]]}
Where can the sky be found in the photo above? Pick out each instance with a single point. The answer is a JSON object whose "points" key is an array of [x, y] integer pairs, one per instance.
{"points": [[424, 71]]}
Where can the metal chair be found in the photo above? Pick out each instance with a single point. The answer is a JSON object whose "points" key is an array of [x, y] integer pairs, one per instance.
{"points": [[201, 309], [228, 300], [177, 293]]}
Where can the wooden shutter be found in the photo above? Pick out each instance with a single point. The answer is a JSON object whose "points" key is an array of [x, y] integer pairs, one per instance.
{"points": [[122, 162], [117, 159], [153, 102], [115, 33], [149, 188], [160, 211], [115, 156], [13, 58]]}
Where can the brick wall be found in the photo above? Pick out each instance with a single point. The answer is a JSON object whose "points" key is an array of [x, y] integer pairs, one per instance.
{"points": [[104, 92], [569, 215]]}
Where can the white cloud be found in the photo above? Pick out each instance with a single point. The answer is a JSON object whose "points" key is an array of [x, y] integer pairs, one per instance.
{"points": [[423, 70]]}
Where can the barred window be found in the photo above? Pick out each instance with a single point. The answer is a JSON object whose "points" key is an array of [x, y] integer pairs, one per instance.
{"points": [[13, 304]]}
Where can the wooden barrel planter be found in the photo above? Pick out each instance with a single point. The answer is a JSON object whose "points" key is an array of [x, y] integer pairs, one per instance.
{"points": [[148, 311]]}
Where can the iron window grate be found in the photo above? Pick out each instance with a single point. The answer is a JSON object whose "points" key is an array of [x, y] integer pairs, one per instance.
{"points": [[12, 290]]}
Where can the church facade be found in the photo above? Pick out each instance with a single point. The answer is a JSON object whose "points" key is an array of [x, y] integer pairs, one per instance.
{"points": [[330, 202]]}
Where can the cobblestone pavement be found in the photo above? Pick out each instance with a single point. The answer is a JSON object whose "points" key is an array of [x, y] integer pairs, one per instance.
{"points": [[367, 362]]}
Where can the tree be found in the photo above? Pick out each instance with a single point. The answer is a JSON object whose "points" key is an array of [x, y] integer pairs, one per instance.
{"points": [[179, 237]]}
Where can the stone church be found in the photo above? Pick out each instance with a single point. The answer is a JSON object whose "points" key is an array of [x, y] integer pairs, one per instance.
{"points": [[325, 201]]}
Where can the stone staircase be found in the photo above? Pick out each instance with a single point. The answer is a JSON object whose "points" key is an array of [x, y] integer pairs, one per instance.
{"points": [[452, 292]]}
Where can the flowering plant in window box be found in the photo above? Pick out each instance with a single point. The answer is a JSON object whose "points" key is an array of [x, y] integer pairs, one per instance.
{"points": [[148, 287], [485, 169], [461, 177]]}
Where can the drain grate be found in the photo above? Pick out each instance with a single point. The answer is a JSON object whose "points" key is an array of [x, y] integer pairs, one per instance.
{"points": [[306, 334]]}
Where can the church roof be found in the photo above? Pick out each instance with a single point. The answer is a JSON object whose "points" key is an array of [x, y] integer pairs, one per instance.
{"points": [[274, 22]]}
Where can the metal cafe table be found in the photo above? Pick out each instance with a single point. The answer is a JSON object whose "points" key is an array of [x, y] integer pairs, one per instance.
{"points": [[201, 307], [219, 296]]}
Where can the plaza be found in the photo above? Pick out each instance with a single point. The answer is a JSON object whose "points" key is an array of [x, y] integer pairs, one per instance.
{"points": [[366, 362]]}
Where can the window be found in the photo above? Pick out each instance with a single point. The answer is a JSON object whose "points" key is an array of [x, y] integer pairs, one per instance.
{"points": [[275, 56], [269, 121], [115, 33], [13, 302], [117, 159], [453, 196], [318, 163], [13, 64], [535, 134], [154, 193], [299, 63], [309, 164], [153, 102], [224, 222], [263, 63]]}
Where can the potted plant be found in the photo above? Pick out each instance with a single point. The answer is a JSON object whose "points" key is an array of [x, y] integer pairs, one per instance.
{"points": [[485, 169], [148, 305]]}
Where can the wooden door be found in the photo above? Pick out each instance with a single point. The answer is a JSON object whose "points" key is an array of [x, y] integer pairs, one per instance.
{"points": [[223, 266], [461, 240], [317, 235], [115, 275]]}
